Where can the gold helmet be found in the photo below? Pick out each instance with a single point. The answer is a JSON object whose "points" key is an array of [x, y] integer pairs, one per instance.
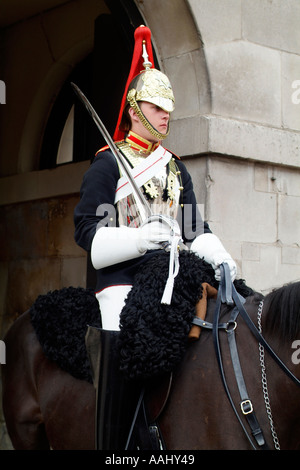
{"points": [[149, 85], [152, 86]]}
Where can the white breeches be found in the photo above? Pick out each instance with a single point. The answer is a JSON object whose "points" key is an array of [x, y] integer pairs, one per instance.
{"points": [[111, 301]]}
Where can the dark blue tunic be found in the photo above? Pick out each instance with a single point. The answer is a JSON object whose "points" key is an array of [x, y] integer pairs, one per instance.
{"points": [[98, 190]]}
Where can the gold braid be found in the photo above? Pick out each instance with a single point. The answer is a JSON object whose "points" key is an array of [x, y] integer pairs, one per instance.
{"points": [[133, 103]]}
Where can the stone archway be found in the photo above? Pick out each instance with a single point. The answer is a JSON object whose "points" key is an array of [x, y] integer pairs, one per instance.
{"points": [[181, 56], [39, 110]]}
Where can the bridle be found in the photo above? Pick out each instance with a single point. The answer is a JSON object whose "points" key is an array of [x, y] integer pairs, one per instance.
{"points": [[228, 294]]}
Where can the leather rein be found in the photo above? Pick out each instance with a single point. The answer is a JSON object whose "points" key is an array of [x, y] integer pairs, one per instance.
{"points": [[228, 294]]}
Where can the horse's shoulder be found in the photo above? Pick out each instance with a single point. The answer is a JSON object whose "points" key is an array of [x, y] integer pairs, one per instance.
{"points": [[21, 322]]}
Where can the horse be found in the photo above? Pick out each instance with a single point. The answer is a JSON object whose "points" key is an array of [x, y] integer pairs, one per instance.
{"points": [[46, 407], [198, 414]]}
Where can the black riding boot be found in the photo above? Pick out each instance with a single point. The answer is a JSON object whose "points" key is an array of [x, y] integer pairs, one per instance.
{"points": [[116, 398]]}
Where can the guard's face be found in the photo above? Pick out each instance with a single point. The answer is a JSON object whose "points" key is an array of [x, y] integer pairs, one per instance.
{"points": [[157, 117]]}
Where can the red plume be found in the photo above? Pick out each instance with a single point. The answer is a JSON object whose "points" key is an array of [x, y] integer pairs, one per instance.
{"points": [[142, 33]]}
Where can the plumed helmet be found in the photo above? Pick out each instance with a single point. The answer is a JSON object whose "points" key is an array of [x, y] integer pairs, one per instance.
{"points": [[145, 83], [152, 86]]}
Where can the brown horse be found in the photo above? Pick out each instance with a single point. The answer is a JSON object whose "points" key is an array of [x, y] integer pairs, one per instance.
{"points": [[45, 407], [199, 403]]}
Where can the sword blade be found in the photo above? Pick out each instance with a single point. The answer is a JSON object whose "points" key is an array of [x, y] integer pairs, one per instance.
{"points": [[139, 196]]}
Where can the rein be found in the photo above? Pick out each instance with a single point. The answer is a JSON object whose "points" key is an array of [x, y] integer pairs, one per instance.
{"points": [[228, 294]]}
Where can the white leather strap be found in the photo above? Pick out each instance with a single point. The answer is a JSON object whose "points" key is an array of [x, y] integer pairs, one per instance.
{"points": [[143, 172]]}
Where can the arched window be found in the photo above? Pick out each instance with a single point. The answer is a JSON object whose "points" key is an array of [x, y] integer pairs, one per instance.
{"points": [[71, 135], [60, 143], [65, 148]]}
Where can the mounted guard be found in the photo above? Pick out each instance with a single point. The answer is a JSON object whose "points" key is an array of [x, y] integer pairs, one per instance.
{"points": [[124, 231]]}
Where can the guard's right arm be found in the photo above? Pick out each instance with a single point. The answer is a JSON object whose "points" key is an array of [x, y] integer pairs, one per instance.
{"points": [[110, 244], [97, 190], [113, 245]]}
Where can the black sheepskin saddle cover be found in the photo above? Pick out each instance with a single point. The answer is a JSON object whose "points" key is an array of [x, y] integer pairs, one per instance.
{"points": [[154, 336], [60, 320]]}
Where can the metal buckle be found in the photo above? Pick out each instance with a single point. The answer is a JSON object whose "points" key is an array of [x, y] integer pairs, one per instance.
{"points": [[244, 404], [230, 326]]}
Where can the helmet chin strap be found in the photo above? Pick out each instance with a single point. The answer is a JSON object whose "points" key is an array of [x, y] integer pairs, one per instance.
{"points": [[133, 103]]}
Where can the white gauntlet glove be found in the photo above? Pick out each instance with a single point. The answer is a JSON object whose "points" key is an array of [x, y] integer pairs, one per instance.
{"points": [[154, 234], [112, 245], [209, 247]]}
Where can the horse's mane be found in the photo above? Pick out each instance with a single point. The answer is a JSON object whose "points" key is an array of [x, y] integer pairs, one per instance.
{"points": [[283, 312]]}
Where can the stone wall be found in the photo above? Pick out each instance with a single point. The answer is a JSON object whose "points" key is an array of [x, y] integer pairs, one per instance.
{"points": [[47, 258], [251, 136], [254, 209], [241, 140]]}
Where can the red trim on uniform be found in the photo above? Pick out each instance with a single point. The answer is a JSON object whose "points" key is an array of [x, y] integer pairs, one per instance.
{"points": [[102, 150], [113, 285], [107, 147], [174, 155], [142, 144]]}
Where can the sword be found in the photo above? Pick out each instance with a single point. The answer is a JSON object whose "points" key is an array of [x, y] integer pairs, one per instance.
{"points": [[177, 242], [139, 196]]}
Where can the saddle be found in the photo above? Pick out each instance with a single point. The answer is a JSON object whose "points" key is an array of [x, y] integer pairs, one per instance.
{"points": [[208, 292], [155, 391], [154, 395]]}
